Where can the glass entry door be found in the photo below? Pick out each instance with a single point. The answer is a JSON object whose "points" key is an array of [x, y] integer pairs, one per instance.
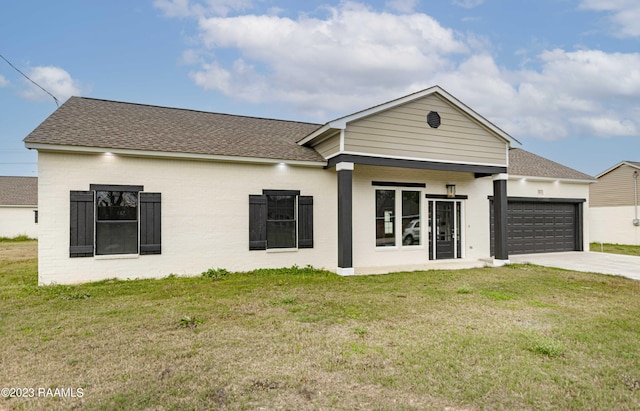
{"points": [[445, 229]]}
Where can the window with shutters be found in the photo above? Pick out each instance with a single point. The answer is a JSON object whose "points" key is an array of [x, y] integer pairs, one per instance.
{"points": [[114, 219], [116, 222], [280, 219]]}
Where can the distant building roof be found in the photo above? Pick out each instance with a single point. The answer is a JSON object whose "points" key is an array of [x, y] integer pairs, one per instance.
{"points": [[18, 191], [634, 164], [524, 163]]}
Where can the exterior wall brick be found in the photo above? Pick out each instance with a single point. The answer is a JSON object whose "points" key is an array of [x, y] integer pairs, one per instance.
{"points": [[19, 220], [205, 221], [205, 214]]}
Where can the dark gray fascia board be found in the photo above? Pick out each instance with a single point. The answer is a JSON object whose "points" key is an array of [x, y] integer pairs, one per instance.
{"points": [[543, 200], [398, 184], [423, 165], [115, 187], [281, 192], [446, 197]]}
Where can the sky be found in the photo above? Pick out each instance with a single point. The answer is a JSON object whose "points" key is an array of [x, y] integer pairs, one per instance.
{"points": [[560, 76]]}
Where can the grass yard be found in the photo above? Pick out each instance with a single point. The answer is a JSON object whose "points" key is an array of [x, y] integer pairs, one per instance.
{"points": [[511, 338], [615, 248]]}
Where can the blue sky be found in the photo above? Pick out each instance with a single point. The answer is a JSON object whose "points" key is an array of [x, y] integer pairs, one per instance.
{"points": [[561, 76]]}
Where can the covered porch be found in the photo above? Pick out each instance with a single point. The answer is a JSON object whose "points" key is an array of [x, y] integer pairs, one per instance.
{"points": [[412, 215]]}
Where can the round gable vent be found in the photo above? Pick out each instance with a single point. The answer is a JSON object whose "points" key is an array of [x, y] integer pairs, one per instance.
{"points": [[433, 119]]}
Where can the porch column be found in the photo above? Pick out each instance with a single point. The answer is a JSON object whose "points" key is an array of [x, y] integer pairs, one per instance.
{"points": [[345, 219], [501, 256]]}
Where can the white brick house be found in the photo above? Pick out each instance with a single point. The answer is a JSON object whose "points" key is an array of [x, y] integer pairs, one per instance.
{"points": [[134, 191]]}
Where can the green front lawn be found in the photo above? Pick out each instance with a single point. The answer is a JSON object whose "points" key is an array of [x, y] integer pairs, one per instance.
{"points": [[518, 337], [615, 248]]}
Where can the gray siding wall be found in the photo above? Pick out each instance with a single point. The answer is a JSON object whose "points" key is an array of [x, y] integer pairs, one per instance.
{"points": [[614, 188], [403, 131], [329, 147]]}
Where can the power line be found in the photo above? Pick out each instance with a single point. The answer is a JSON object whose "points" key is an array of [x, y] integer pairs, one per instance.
{"points": [[27, 77]]}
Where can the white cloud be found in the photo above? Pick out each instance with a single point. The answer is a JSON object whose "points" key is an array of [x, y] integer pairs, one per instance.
{"points": [[213, 77], [468, 4], [605, 125], [579, 93], [623, 14], [188, 8], [348, 56], [354, 57], [403, 6], [53, 79], [174, 8], [593, 73], [3, 81]]}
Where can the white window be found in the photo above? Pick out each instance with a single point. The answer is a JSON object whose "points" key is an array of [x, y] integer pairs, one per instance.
{"points": [[403, 231]]}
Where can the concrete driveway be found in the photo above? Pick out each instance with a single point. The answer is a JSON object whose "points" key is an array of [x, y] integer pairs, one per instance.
{"points": [[603, 263]]}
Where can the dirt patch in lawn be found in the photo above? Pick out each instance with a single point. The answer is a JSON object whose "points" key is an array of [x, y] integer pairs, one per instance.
{"points": [[21, 250]]}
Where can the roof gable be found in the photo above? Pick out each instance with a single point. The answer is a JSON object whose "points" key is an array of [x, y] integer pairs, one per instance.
{"points": [[632, 164], [403, 131], [341, 123]]}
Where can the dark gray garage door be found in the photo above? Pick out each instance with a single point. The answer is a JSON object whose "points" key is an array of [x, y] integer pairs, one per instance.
{"points": [[542, 226]]}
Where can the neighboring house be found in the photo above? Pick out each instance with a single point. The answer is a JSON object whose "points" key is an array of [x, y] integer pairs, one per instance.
{"points": [[18, 206], [130, 190], [615, 217]]}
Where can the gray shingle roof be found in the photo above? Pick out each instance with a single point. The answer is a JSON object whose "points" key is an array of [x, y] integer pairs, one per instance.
{"points": [[524, 163], [18, 191], [109, 124]]}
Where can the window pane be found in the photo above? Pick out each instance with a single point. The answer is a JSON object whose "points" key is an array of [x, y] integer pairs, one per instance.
{"points": [[116, 222], [281, 221], [281, 234], [117, 205], [385, 218], [281, 208], [116, 237], [444, 221], [410, 217]]}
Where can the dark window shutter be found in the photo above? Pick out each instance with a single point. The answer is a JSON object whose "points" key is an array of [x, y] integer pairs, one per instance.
{"points": [[257, 222], [81, 224], [150, 223], [305, 222]]}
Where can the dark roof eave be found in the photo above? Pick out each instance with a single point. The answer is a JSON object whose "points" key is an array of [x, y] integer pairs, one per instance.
{"points": [[312, 160]]}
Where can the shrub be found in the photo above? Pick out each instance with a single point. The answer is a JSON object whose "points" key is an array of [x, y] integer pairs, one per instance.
{"points": [[216, 274], [294, 269], [547, 346], [465, 289], [17, 238], [189, 322]]}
